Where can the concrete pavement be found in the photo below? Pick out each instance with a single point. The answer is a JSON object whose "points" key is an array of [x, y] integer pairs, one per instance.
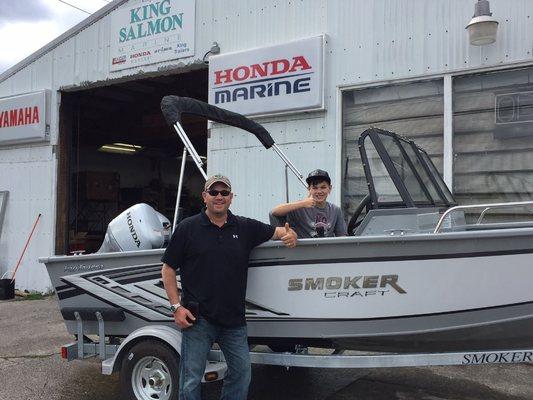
{"points": [[31, 333]]}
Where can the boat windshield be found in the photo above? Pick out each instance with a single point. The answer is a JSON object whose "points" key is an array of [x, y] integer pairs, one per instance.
{"points": [[399, 173], [383, 184]]}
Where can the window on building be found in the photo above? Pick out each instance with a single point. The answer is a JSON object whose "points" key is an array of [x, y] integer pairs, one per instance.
{"points": [[493, 139], [413, 110]]}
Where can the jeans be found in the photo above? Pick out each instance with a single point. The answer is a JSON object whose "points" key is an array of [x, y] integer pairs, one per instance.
{"points": [[195, 346]]}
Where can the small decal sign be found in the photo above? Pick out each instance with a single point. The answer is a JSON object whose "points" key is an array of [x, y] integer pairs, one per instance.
{"points": [[149, 31]]}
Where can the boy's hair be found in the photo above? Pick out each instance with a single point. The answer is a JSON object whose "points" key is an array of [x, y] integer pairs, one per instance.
{"points": [[317, 181]]}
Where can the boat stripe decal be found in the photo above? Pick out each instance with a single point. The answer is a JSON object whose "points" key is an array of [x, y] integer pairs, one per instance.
{"points": [[152, 293], [125, 309], [67, 294], [116, 270], [115, 275], [67, 291], [392, 258], [293, 319], [139, 279], [251, 307]]}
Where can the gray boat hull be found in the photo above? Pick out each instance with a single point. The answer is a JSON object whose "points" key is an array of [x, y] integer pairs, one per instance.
{"points": [[425, 292]]}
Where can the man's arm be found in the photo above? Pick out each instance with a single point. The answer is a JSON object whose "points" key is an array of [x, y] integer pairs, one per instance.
{"points": [[168, 275], [286, 234], [285, 208]]}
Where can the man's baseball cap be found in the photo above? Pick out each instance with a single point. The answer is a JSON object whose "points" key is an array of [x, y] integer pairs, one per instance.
{"points": [[318, 175], [217, 178]]}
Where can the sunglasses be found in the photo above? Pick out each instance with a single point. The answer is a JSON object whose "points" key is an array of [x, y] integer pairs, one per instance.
{"points": [[215, 193]]}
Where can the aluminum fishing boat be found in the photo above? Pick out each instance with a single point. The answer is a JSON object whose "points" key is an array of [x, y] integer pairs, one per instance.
{"points": [[413, 276]]}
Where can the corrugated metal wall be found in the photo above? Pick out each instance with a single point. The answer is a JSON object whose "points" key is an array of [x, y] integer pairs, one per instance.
{"points": [[367, 41]]}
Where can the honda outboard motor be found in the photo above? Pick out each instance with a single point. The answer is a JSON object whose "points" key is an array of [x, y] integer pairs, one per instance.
{"points": [[140, 227]]}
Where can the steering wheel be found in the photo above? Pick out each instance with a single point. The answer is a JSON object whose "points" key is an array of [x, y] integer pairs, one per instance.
{"points": [[355, 221]]}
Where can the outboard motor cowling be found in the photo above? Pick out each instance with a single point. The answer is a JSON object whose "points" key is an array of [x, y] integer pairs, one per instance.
{"points": [[140, 227]]}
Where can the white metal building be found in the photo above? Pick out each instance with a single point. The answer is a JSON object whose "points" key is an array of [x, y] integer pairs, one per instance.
{"points": [[401, 65]]}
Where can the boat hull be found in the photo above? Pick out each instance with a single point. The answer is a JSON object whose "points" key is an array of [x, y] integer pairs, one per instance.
{"points": [[445, 292]]}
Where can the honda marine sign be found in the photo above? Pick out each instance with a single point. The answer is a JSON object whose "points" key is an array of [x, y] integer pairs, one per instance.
{"points": [[276, 79], [24, 118]]}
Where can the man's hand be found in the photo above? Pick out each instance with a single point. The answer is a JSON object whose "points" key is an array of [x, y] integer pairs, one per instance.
{"points": [[181, 315], [288, 236], [309, 202]]}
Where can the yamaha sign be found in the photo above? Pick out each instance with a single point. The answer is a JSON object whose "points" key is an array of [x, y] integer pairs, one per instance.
{"points": [[25, 118], [269, 80]]}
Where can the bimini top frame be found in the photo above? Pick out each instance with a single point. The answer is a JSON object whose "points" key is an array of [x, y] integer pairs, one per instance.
{"points": [[399, 173], [173, 107]]}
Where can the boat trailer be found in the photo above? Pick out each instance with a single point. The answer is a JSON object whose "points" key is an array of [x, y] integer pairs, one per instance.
{"points": [[111, 353]]}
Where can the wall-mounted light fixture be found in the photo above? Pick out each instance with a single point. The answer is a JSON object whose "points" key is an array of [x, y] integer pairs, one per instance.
{"points": [[483, 27], [215, 49], [120, 148]]}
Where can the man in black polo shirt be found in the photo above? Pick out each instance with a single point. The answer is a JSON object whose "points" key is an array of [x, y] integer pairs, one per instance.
{"points": [[211, 249]]}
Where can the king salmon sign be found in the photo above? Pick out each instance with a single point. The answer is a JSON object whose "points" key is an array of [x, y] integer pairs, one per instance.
{"points": [[149, 31], [23, 118], [276, 79]]}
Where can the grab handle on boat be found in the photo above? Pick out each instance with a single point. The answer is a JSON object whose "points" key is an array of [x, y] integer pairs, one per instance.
{"points": [[486, 207]]}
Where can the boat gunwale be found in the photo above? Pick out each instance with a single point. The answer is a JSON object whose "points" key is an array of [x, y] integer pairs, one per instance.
{"points": [[317, 242]]}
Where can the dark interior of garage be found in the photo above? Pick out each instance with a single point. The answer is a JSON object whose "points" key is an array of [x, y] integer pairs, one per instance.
{"points": [[116, 150]]}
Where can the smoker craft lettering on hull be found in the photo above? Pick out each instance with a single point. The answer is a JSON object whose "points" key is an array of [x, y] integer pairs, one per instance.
{"points": [[413, 277], [336, 285]]}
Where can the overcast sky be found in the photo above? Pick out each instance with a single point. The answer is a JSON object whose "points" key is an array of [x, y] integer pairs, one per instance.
{"points": [[27, 25]]}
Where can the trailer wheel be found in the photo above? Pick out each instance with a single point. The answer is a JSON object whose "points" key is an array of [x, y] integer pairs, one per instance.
{"points": [[150, 371]]}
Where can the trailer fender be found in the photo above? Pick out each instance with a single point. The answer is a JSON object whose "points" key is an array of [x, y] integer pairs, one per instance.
{"points": [[160, 332]]}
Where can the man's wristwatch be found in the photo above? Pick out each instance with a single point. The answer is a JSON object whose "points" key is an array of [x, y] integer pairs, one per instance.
{"points": [[174, 307]]}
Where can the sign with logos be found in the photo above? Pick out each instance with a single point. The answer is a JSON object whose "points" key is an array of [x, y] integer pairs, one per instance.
{"points": [[25, 118], [268, 80], [149, 31]]}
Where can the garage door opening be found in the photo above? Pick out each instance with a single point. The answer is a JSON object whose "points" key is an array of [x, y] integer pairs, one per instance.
{"points": [[116, 151]]}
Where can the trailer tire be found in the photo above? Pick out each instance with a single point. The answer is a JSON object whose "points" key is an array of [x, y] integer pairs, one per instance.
{"points": [[149, 371]]}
